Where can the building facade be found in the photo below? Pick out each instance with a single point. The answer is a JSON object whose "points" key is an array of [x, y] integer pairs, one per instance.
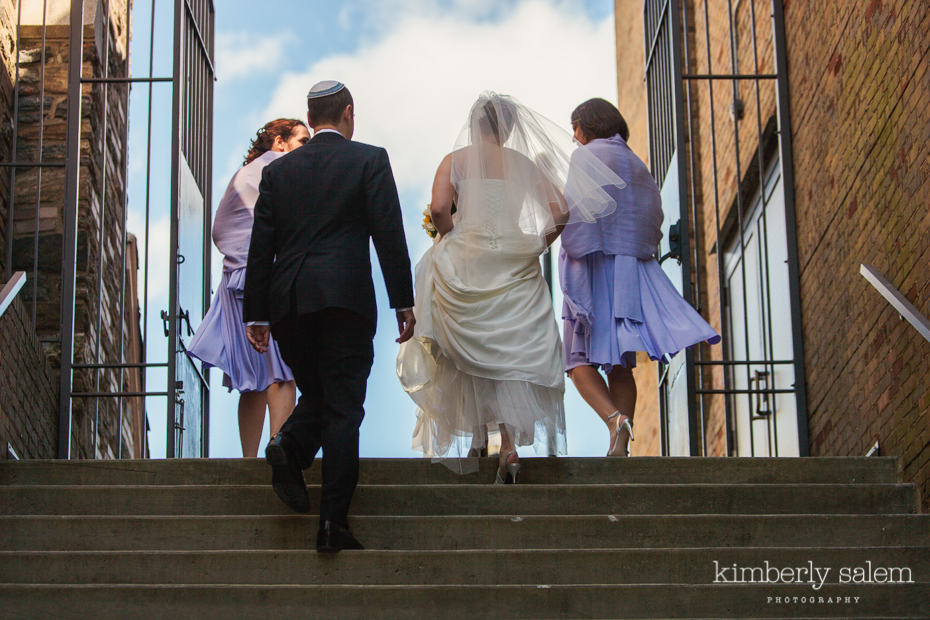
{"points": [[791, 141], [34, 96]]}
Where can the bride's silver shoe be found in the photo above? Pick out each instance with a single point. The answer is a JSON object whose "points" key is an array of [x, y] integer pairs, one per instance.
{"points": [[512, 470], [626, 426]]}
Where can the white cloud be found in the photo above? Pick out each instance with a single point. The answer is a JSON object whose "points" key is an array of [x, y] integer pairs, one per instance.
{"points": [[241, 54], [413, 86], [371, 15]]}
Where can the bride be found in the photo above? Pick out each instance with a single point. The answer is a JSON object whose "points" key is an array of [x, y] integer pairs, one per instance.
{"points": [[486, 351]]}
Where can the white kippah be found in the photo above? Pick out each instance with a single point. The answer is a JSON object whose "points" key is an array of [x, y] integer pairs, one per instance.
{"points": [[325, 88]]}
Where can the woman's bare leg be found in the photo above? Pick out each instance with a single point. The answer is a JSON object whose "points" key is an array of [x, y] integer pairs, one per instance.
{"points": [[593, 389], [281, 398], [623, 393], [251, 421], [507, 455], [606, 398], [506, 441], [622, 390]]}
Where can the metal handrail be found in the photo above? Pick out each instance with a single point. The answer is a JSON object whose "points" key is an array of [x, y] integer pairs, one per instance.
{"points": [[11, 289], [896, 298]]}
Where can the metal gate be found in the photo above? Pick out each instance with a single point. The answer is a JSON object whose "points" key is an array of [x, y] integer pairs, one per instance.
{"points": [[722, 157], [188, 272], [191, 216], [679, 419]]}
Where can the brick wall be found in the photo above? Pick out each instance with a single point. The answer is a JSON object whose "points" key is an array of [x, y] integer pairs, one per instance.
{"points": [[631, 99], [860, 76], [858, 81], [29, 403]]}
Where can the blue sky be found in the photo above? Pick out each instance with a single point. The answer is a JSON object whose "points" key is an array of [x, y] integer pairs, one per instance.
{"points": [[414, 67]]}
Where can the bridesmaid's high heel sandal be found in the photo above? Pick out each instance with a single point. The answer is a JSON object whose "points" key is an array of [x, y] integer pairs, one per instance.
{"points": [[623, 436], [511, 470]]}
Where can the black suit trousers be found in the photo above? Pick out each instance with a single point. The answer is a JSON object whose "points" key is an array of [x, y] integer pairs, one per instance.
{"points": [[330, 353]]}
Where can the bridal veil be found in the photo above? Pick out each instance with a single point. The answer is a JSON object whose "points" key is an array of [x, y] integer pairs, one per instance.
{"points": [[503, 139]]}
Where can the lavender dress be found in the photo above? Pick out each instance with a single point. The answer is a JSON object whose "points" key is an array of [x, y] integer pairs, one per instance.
{"points": [[617, 299], [220, 340]]}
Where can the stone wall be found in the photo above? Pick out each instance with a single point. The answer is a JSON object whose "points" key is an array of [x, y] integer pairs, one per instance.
{"points": [[7, 60], [37, 236]]}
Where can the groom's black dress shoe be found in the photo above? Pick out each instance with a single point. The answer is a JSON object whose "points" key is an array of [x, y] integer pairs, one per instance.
{"points": [[332, 537], [287, 478]]}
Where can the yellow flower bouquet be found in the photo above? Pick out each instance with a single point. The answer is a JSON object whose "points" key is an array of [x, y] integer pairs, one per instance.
{"points": [[428, 225]]}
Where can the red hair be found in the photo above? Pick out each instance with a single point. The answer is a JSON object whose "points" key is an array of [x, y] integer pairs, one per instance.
{"points": [[264, 137]]}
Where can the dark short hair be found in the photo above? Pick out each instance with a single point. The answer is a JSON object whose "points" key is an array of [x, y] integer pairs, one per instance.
{"points": [[328, 109], [599, 118]]}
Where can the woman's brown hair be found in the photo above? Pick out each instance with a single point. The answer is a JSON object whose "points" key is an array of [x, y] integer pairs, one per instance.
{"points": [[264, 137], [598, 118]]}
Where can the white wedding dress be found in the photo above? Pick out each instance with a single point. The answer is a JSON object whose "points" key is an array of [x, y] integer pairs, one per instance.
{"points": [[486, 349]]}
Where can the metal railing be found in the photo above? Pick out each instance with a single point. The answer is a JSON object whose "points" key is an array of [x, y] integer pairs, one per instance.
{"points": [[11, 289], [896, 298]]}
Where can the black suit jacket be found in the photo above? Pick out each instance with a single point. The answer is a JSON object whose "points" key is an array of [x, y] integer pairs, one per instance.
{"points": [[318, 206]]}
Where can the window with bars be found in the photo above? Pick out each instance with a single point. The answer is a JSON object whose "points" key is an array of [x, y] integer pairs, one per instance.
{"points": [[660, 85]]}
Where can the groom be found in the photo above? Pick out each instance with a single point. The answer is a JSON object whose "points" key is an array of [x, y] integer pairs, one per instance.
{"points": [[309, 277]]}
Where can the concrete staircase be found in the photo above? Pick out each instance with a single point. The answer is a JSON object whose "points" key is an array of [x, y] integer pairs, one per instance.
{"points": [[578, 538]]}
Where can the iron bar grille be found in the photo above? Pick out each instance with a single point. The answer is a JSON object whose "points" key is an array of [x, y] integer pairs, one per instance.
{"points": [[187, 413], [659, 86], [739, 188], [79, 220]]}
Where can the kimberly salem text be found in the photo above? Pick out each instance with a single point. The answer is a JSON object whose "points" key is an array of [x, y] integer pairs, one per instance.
{"points": [[815, 576]]}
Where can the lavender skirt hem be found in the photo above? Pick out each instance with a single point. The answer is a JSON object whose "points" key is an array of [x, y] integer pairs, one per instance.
{"points": [[221, 341], [615, 306]]}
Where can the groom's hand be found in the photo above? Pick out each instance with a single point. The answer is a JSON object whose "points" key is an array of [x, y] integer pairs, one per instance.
{"points": [[258, 336], [405, 323]]}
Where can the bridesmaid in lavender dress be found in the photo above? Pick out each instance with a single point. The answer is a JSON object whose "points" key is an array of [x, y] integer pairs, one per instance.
{"points": [[262, 379], [617, 299]]}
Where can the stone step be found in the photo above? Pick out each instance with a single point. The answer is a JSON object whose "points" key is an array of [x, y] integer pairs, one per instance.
{"points": [[85, 533], [461, 499], [481, 567], [655, 470], [479, 601]]}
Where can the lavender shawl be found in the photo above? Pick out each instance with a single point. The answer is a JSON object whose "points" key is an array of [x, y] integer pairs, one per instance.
{"points": [[634, 229], [232, 226]]}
